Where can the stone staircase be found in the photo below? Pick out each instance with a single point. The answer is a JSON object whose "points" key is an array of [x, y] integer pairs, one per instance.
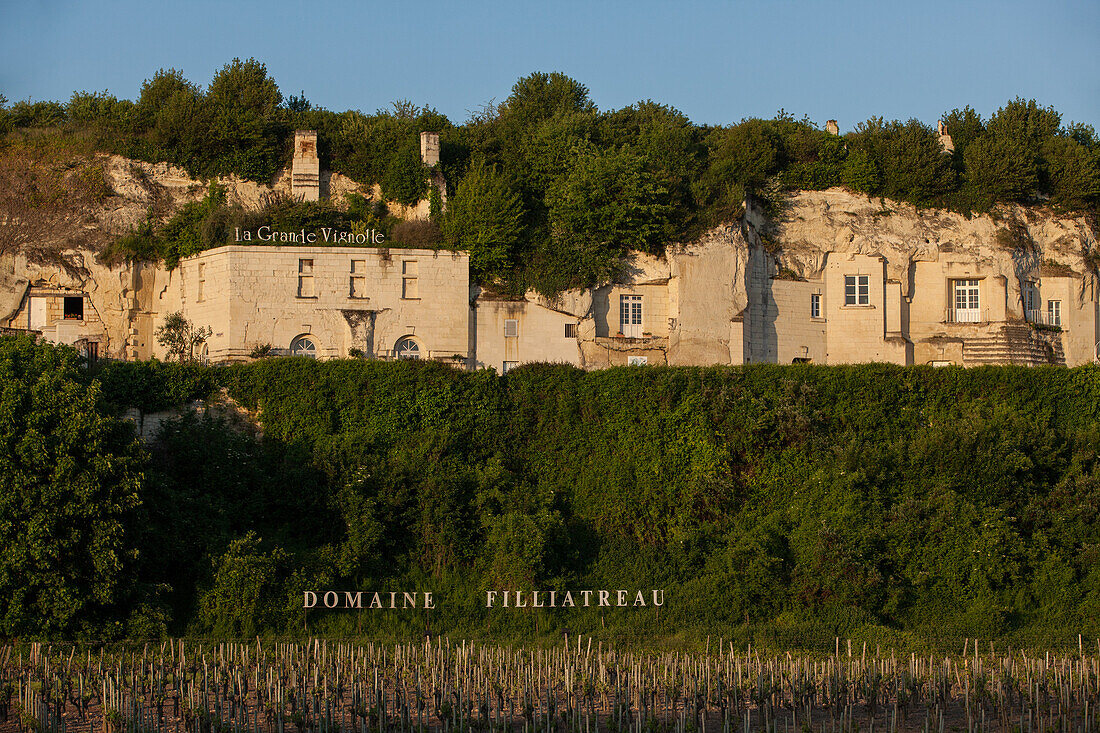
{"points": [[1015, 343]]}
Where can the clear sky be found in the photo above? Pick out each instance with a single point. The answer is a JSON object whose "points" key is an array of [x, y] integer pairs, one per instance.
{"points": [[715, 61]]}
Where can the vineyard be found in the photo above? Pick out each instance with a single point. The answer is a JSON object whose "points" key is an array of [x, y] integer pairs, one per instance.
{"points": [[448, 685]]}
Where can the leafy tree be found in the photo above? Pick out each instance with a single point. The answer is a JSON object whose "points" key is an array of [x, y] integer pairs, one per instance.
{"points": [[607, 205], [484, 217], [860, 173], [406, 178], [909, 158], [180, 337], [540, 96], [1001, 168], [1074, 173], [70, 477], [248, 594]]}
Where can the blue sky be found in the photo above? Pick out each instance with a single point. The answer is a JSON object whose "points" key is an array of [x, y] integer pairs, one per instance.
{"points": [[715, 61]]}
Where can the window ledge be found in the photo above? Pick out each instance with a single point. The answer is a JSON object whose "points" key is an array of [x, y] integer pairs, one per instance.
{"points": [[306, 297], [858, 307], [410, 299]]}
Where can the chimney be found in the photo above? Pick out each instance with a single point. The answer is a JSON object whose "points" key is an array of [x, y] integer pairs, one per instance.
{"points": [[429, 148], [305, 169]]}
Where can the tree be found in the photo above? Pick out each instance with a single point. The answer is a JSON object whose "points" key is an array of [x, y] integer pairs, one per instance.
{"points": [[607, 205], [70, 480], [485, 217], [406, 178], [180, 337]]}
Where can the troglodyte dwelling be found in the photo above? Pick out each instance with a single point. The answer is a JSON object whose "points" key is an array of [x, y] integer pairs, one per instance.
{"points": [[839, 280]]}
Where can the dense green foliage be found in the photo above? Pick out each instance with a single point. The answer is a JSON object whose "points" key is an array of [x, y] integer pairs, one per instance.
{"points": [[70, 478], [588, 183], [797, 502]]}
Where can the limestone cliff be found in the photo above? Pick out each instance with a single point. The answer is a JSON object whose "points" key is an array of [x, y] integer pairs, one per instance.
{"points": [[1016, 242]]}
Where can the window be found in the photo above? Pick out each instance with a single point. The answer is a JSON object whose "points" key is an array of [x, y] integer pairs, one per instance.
{"points": [[815, 305], [1054, 312], [202, 280], [966, 301], [511, 328], [305, 279], [509, 366], [857, 290], [571, 330], [638, 360], [630, 315], [410, 289], [74, 308], [358, 287], [407, 349], [303, 346], [1031, 293]]}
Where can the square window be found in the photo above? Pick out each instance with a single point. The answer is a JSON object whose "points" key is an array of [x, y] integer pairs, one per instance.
{"points": [[571, 330], [305, 267], [638, 360], [509, 366], [511, 328], [74, 308], [857, 290], [358, 266]]}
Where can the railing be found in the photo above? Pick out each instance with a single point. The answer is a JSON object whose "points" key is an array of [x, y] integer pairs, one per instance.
{"points": [[967, 315], [1043, 318]]}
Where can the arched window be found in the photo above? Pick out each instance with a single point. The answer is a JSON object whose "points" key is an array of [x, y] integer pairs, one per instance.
{"points": [[303, 346], [406, 348]]}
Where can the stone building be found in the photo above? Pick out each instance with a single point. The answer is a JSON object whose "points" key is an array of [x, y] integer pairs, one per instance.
{"points": [[318, 301]]}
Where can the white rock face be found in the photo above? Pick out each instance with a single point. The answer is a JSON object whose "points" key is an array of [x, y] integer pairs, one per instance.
{"points": [[708, 295], [817, 223]]}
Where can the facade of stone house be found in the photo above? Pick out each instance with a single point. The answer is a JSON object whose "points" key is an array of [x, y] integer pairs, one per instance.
{"points": [[324, 302]]}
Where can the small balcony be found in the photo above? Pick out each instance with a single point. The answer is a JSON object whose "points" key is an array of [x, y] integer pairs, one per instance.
{"points": [[1044, 318]]}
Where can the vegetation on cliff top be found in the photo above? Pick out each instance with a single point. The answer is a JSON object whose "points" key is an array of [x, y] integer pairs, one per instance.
{"points": [[572, 186], [794, 502]]}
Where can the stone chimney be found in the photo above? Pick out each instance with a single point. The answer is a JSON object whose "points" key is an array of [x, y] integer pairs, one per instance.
{"points": [[305, 170], [832, 128], [429, 148], [947, 145]]}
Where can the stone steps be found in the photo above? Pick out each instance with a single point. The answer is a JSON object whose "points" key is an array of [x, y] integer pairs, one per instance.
{"points": [[1015, 344]]}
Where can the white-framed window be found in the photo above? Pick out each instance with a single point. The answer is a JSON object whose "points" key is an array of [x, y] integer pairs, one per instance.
{"points": [[508, 366], [410, 280], [305, 279], [857, 290], [966, 301], [511, 328], [304, 345], [630, 315], [638, 361], [1054, 312], [407, 349], [571, 330], [815, 305]]}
